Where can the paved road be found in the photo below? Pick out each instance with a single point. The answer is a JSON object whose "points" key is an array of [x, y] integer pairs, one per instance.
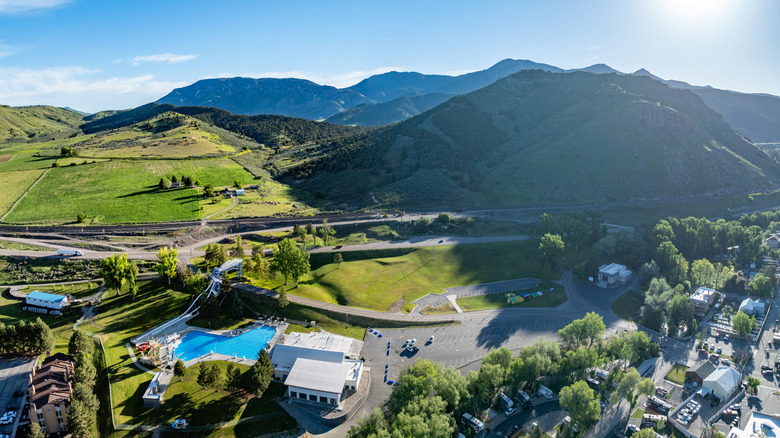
{"points": [[14, 377]]}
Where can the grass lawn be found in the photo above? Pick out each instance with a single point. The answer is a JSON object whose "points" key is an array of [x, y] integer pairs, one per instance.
{"points": [[638, 413], [626, 305], [122, 191], [4, 244], [381, 280], [497, 301], [677, 374], [14, 185]]}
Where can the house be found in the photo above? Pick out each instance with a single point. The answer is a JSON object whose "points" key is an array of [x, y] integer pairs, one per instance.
{"points": [[702, 300], [318, 367], [722, 382], [773, 241], [176, 185], [613, 274], [46, 301], [50, 393], [752, 307], [240, 192], [699, 372], [253, 186]]}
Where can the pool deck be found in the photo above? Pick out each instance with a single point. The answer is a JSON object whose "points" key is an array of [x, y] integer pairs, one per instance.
{"points": [[280, 327]]}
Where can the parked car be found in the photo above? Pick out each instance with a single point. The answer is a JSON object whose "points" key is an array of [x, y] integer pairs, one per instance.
{"points": [[726, 338], [179, 424], [719, 350]]}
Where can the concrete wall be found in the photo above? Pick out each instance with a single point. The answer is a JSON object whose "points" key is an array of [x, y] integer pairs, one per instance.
{"points": [[332, 399]]}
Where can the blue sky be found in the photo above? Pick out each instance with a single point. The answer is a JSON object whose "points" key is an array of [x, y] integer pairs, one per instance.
{"points": [[95, 55]]}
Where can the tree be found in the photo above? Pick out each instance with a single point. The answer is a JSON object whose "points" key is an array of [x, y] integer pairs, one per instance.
{"points": [[261, 267], [673, 265], [337, 259], [703, 273], [753, 383], [179, 370], [66, 151], [226, 287], [625, 387], [84, 371], [501, 357], [579, 399], [203, 375], [742, 323], [282, 300], [80, 419], [233, 377], [257, 250], [168, 259], [35, 431], [81, 218], [208, 190], [132, 275], [238, 308], [215, 255], [237, 184], [762, 285], [290, 260], [647, 272], [114, 271], [551, 247], [238, 250], [583, 332], [80, 341], [163, 184], [214, 375], [259, 376], [326, 232], [174, 179], [680, 311], [644, 433], [84, 393]]}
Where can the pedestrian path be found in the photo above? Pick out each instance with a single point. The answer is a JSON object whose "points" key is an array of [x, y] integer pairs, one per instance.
{"points": [[135, 360]]}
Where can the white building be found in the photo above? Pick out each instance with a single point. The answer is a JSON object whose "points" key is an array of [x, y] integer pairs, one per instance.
{"points": [[758, 425], [318, 367], [612, 274], [722, 382], [752, 307], [48, 301]]}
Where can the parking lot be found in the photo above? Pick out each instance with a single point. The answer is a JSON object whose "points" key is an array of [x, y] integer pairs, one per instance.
{"points": [[13, 377]]}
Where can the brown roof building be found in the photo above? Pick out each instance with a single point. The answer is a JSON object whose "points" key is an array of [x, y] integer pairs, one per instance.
{"points": [[50, 393]]}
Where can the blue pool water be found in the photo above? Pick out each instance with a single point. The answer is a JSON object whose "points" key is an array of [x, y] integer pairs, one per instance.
{"points": [[246, 345]]}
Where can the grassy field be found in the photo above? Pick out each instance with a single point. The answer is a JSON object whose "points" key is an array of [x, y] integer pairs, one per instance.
{"points": [[14, 185], [391, 280], [677, 374], [122, 191], [627, 305], [638, 413], [497, 301], [441, 310], [269, 199], [5, 244]]}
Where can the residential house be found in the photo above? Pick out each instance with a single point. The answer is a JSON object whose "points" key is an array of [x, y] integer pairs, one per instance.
{"points": [[50, 393]]}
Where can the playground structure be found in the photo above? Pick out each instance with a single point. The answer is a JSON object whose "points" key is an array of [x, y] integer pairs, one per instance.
{"points": [[159, 335], [158, 351], [513, 298]]}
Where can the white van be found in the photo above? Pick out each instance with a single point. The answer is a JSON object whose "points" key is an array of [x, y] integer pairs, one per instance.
{"points": [[545, 392], [602, 374], [472, 422], [523, 396]]}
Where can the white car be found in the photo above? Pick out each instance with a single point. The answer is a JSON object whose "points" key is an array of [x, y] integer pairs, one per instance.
{"points": [[6, 419]]}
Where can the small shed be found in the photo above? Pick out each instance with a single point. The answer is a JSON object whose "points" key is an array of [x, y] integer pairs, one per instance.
{"points": [[240, 192]]}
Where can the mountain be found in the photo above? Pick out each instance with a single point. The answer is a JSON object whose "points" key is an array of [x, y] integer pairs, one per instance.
{"points": [[37, 123], [265, 129], [756, 116], [596, 68], [543, 138], [286, 97], [385, 113]]}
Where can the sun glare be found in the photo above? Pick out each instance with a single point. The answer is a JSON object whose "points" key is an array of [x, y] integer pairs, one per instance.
{"points": [[697, 11]]}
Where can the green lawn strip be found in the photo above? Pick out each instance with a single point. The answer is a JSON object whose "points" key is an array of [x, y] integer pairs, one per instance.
{"points": [[295, 328], [121, 191], [677, 374], [377, 280], [25, 160], [638, 413], [5, 244], [14, 185], [497, 301], [220, 322], [627, 305], [76, 290]]}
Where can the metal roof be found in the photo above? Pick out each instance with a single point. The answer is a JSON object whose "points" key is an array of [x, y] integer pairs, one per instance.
{"points": [[318, 376], [43, 296]]}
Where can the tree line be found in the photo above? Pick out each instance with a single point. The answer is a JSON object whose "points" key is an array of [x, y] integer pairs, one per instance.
{"points": [[429, 398], [26, 337]]}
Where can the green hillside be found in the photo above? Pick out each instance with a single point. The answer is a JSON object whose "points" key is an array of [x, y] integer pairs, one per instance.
{"points": [[546, 138], [37, 123]]}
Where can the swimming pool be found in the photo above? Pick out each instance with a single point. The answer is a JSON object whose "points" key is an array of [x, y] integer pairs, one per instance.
{"points": [[246, 345]]}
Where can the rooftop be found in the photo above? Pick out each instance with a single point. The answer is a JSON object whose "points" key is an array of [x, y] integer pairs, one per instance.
{"points": [[612, 269], [318, 376], [703, 294], [320, 341], [757, 425], [46, 296]]}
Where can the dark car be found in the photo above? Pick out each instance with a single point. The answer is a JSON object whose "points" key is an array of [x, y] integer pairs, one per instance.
{"points": [[337, 247], [18, 393]]}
